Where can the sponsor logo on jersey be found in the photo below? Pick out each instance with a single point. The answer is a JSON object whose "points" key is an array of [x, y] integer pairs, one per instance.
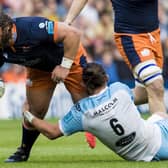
{"points": [[106, 107], [126, 140], [50, 27], [41, 25]]}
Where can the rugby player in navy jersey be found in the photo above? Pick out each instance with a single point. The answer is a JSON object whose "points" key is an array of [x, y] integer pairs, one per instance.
{"points": [[52, 53], [137, 36]]}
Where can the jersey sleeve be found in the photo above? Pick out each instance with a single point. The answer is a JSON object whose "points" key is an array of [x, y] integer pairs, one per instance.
{"points": [[71, 122], [43, 29]]}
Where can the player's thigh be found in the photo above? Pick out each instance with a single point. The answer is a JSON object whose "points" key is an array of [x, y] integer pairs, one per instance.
{"points": [[39, 92], [143, 56], [137, 48], [74, 84]]}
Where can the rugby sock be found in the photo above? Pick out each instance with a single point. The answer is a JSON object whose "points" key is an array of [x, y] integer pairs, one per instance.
{"points": [[28, 139]]}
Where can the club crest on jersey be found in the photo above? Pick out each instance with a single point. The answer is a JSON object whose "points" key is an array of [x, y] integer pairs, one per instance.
{"points": [[41, 25], [77, 107]]}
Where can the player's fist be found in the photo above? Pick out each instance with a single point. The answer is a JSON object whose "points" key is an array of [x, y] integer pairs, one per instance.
{"points": [[2, 88]]}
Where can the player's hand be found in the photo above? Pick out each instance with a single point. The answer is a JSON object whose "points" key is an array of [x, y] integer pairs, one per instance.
{"points": [[59, 74]]}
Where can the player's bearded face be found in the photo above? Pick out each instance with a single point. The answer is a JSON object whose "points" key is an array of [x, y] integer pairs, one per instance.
{"points": [[6, 35]]}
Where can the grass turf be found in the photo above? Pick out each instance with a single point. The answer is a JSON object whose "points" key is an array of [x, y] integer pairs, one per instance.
{"points": [[71, 152]]}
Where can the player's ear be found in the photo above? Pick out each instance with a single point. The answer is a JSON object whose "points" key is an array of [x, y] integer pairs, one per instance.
{"points": [[106, 77]]}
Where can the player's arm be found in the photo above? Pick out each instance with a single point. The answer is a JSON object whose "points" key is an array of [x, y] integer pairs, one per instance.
{"points": [[75, 9], [70, 37], [69, 124], [51, 131]]}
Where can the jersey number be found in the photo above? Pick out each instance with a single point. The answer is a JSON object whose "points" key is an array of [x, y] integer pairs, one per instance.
{"points": [[117, 128]]}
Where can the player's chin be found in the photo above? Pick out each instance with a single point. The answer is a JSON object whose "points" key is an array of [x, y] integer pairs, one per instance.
{"points": [[27, 125]]}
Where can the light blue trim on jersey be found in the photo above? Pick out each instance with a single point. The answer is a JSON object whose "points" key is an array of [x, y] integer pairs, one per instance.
{"points": [[72, 121], [162, 154], [50, 27]]}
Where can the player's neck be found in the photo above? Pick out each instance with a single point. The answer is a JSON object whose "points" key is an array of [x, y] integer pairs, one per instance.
{"points": [[98, 90]]}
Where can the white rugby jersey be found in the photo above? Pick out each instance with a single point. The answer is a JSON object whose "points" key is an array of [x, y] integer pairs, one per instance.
{"points": [[114, 119]]}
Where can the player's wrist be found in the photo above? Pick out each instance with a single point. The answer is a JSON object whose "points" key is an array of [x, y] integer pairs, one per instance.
{"points": [[28, 116], [66, 62], [68, 22]]}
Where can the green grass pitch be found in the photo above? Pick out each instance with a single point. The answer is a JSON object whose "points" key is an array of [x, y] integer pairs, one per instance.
{"points": [[67, 152]]}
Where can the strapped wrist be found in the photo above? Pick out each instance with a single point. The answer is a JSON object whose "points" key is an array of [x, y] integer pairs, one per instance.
{"points": [[66, 62], [28, 116]]}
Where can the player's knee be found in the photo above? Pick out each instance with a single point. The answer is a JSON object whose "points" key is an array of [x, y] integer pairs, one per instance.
{"points": [[148, 72], [38, 111]]}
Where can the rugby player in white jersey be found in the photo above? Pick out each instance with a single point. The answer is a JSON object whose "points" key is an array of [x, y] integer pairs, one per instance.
{"points": [[111, 115]]}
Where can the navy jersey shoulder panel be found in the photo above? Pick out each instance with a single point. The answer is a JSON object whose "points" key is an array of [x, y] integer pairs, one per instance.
{"points": [[33, 30]]}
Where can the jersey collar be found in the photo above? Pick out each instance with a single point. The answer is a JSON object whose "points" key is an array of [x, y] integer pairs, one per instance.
{"points": [[102, 91]]}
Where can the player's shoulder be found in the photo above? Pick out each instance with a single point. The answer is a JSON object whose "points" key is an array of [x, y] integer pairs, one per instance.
{"points": [[118, 86], [38, 28], [29, 19], [32, 21]]}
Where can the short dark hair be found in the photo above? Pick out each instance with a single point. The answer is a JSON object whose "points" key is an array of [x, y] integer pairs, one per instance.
{"points": [[94, 76]]}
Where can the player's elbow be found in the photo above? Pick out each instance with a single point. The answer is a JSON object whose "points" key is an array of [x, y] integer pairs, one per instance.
{"points": [[74, 34], [51, 136], [53, 133]]}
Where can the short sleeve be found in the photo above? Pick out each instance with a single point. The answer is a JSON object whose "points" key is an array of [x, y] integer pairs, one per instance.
{"points": [[43, 29], [71, 122]]}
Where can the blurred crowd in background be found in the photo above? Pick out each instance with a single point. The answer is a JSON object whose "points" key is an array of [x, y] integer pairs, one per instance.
{"points": [[96, 23]]}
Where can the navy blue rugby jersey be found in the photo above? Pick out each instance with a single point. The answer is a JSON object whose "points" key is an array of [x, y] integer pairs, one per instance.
{"points": [[34, 45], [135, 16]]}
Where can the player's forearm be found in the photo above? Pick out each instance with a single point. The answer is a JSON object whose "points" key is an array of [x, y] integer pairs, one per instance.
{"points": [[75, 9], [49, 130]]}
